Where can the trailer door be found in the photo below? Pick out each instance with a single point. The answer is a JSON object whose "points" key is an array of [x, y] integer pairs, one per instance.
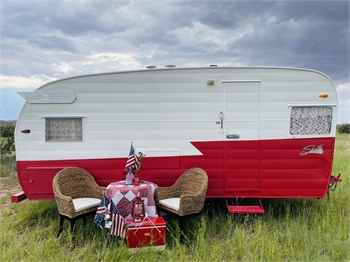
{"points": [[241, 127]]}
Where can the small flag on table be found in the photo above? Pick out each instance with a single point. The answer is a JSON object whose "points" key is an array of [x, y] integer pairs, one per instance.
{"points": [[132, 161]]}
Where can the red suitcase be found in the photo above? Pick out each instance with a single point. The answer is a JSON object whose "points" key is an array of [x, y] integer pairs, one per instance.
{"points": [[150, 233]]}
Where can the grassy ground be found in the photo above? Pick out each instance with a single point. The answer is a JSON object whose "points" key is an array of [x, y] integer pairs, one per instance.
{"points": [[290, 230]]}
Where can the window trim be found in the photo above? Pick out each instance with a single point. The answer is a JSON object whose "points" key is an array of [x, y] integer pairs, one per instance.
{"points": [[64, 116], [311, 105]]}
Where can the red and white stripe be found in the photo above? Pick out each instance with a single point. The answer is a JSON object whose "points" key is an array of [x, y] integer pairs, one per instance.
{"points": [[118, 225]]}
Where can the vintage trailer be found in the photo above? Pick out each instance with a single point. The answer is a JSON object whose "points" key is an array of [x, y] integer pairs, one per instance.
{"points": [[258, 132]]}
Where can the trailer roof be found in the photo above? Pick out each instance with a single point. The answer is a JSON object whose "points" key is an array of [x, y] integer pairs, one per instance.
{"points": [[151, 69]]}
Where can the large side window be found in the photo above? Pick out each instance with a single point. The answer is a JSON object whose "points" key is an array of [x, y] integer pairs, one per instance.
{"points": [[64, 129], [311, 120]]}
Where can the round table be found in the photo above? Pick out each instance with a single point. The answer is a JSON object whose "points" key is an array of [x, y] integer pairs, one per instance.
{"points": [[123, 195]]}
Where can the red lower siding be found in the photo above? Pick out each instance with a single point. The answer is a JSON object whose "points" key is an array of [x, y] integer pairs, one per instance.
{"points": [[266, 169]]}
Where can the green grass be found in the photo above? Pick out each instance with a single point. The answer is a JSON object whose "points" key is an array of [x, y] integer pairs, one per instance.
{"points": [[290, 230]]}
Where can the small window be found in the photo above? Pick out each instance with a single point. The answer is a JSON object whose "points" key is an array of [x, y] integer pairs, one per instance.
{"points": [[311, 120], [64, 129]]}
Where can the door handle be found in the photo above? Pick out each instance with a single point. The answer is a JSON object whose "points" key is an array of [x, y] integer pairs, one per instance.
{"points": [[232, 136], [221, 117]]}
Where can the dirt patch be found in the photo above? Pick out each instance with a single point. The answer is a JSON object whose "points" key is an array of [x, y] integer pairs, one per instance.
{"points": [[5, 194]]}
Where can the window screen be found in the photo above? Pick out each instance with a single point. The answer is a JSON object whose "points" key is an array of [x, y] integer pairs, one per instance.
{"points": [[64, 129], [311, 120]]}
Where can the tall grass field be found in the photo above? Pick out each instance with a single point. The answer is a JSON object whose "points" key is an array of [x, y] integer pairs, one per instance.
{"points": [[290, 229]]}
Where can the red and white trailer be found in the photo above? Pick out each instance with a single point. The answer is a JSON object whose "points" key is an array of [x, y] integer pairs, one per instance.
{"points": [[258, 132]]}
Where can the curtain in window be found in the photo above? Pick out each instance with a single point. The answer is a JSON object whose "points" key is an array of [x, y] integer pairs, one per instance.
{"points": [[63, 129], [311, 120]]}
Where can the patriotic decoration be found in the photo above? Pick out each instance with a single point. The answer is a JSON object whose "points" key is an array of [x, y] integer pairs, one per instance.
{"points": [[100, 217], [133, 164], [108, 216], [117, 225]]}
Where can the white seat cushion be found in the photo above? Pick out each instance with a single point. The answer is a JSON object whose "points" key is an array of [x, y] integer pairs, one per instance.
{"points": [[173, 203], [85, 203]]}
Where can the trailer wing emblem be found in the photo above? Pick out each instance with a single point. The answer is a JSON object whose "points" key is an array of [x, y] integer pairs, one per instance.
{"points": [[312, 149], [49, 97]]}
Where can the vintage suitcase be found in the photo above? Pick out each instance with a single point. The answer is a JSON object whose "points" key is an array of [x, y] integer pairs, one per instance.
{"points": [[150, 233]]}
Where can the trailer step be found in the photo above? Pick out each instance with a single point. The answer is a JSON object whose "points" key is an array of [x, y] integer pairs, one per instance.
{"points": [[18, 197], [245, 209]]}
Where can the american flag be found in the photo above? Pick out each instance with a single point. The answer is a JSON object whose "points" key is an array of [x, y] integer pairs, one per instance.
{"points": [[118, 225], [132, 161], [101, 210]]}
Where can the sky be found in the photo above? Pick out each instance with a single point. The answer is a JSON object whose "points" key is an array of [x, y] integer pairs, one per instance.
{"points": [[51, 39]]}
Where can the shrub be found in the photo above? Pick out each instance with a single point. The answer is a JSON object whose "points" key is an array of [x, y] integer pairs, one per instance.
{"points": [[344, 129], [7, 145], [8, 130], [7, 141]]}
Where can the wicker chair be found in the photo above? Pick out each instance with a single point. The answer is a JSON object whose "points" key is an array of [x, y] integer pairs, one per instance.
{"points": [[186, 196], [77, 195]]}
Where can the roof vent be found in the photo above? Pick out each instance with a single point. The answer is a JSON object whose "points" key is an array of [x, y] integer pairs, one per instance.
{"points": [[170, 66], [213, 65], [151, 67]]}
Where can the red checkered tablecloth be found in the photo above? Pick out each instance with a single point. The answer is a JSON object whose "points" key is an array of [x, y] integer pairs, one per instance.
{"points": [[122, 195]]}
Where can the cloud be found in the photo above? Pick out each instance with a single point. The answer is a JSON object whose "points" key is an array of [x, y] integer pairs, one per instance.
{"points": [[99, 63], [343, 92], [52, 42], [23, 82], [200, 32]]}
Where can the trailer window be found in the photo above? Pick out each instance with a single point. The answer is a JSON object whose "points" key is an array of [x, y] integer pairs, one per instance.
{"points": [[311, 120], [64, 129]]}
